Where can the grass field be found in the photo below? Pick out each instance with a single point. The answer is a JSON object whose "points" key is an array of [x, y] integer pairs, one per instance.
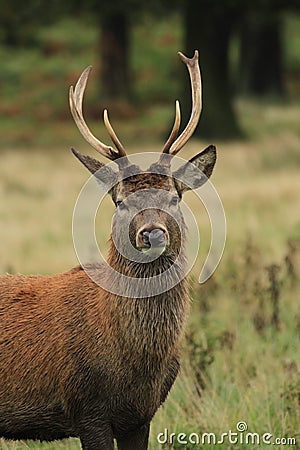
{"points": [[241, 354]]}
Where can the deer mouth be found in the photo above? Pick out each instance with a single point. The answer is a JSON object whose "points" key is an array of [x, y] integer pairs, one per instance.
{"points": [[153, 251]]}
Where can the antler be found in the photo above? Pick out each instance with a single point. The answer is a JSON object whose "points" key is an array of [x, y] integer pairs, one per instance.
{"points": [[174, 132], [173, 145], [76, 97]]}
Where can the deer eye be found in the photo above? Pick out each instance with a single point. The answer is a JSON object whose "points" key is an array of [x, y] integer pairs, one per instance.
{"points": [[174, 201], [120, 204]]}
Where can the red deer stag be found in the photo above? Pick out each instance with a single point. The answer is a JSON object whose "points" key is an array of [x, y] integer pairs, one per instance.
{"points": [[78, 360]]}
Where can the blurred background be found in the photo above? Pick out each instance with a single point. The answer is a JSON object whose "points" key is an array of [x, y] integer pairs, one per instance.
{"points": [[248, 51], [242, 347]]}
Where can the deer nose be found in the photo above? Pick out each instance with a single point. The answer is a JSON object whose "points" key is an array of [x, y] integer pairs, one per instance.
{"points": [[155, 238], [152, 236]]}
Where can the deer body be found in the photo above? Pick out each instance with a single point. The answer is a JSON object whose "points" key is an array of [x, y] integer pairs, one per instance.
{"points": [[73, 358], [79, 360]]}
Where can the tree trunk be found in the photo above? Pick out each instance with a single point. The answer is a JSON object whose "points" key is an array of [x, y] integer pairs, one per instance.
{"points": [[261, 69], [114, 54], [208, 30]]}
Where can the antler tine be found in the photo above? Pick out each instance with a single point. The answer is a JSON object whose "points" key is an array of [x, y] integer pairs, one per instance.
{"points": [[112, 134], [75, 98], [195, 77], [175, 129]]}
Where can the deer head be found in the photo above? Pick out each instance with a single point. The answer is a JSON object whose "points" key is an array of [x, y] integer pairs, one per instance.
{"points": [[148, 201]]}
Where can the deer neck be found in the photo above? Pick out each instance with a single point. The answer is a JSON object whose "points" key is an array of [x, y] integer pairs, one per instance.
{"points": [[152, 324]]}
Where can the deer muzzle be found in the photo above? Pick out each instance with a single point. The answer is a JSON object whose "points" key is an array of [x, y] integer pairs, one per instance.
{"points": [[152, 236]]}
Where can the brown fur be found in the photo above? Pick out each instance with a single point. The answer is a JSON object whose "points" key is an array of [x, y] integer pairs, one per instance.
{"points": [[77, 360]]}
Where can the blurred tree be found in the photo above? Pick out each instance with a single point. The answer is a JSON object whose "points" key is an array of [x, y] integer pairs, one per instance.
{"points": [[261, 59], [208, 27], [115, 20], [114, 54]]}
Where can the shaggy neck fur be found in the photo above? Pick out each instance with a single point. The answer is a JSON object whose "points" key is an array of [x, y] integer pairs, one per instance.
{"points": [[152, 326]]}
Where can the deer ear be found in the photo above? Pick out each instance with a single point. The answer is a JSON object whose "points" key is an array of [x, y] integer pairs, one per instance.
{"points": [[107, 177], [196, 171]]}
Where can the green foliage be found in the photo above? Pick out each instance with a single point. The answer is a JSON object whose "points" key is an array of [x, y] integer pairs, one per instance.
{"points": [[20, 20], [155, 65], [35, 79], [292, 42]]}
